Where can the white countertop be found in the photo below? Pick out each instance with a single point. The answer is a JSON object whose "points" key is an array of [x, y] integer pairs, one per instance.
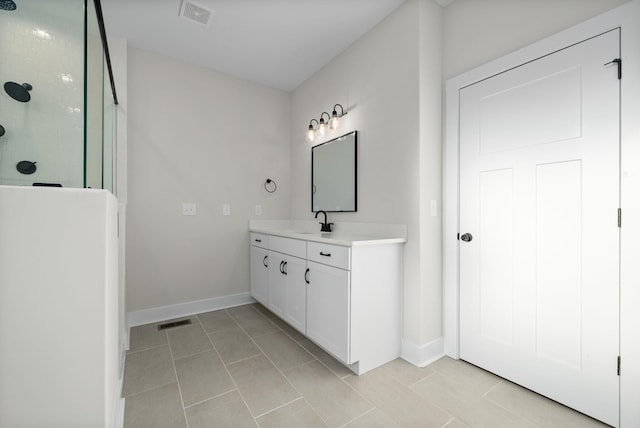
{"points": [[345, 234]]}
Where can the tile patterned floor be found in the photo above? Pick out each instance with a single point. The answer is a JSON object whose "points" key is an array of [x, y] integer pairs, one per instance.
{"points": [[243, 367]]}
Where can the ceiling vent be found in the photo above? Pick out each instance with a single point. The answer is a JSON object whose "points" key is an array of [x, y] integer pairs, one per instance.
{"points": [[196, 13]]}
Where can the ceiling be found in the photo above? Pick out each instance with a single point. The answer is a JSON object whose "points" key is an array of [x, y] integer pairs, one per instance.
{"points": [[277, 43]]}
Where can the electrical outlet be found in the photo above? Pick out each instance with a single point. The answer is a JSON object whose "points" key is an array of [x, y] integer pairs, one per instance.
{"points": [[188, 208], [226, 209], [258, 209]]}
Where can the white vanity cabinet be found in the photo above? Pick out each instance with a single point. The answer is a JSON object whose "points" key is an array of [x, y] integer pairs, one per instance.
{"points": [[259, 267], [287, 286], [343, 294], [328, 308]]}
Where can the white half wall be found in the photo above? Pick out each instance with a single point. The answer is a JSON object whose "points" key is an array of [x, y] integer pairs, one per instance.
{"points": [[58, 297]]}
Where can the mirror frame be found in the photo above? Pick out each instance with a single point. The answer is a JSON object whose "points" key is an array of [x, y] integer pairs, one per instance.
{"points": [[355, 172]]}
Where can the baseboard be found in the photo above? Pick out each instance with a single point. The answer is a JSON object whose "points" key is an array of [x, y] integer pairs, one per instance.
{"points": [[422, 355], [163, 313]]}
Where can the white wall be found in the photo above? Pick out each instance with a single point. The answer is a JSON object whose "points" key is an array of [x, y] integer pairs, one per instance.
{"points": [[389, 81], [198, 136], [477, 31]]}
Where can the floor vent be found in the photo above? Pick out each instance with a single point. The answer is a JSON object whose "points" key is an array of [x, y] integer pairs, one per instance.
{"points": [[173, 324], [196, 13]]}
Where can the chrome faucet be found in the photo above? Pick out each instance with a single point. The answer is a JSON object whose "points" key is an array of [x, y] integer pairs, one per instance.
{"points": [[325, 227]]}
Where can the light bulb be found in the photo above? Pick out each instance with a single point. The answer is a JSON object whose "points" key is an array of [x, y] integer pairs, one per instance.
{"points": [[333, 123], [310, 134], [322, 128]]}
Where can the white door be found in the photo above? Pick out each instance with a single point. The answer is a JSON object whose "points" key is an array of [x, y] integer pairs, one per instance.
{"points": [[539, 197]]}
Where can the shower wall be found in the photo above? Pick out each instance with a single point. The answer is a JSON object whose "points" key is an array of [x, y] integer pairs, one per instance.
{"points": [[42, 43]]}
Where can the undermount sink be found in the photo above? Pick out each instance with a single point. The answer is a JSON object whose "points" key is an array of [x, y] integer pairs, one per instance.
{"points": [[323, 234]]}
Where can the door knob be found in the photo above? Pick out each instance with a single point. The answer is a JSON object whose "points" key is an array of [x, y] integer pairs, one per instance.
{"points": [[467, 237]]}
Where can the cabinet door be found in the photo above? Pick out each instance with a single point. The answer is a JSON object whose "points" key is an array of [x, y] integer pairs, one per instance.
{"points": [[296, 293], [259, 274], [328, 309], [277, 284]]}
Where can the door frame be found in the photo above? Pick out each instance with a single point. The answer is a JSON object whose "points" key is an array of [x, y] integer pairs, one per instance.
{"points": [[627, 18]]}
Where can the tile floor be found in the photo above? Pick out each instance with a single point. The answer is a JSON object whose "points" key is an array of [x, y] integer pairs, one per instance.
{"points": [[243, 367]]}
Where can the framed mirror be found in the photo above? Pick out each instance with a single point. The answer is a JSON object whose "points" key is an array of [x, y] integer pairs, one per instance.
{"points": [[333, 175]]}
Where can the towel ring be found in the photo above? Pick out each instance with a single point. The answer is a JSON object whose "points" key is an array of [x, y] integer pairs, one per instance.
{"points": [[270, 185]]}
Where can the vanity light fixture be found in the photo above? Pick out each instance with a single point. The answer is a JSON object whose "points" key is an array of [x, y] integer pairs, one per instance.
{"points": [[322, 126]]}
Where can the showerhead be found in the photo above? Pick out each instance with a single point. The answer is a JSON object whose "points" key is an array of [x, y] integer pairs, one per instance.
{"points": [[7, 5], [17, 91]]}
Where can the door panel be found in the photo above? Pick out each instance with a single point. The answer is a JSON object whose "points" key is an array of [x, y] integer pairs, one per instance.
{"points": [[539, 192]]}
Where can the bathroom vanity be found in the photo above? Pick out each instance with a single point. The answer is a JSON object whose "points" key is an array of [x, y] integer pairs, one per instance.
{"points": [[342, 290]]}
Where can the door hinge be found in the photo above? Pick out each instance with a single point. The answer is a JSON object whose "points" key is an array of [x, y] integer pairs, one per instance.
{"points": [[618, 365], [618, 62], [619, 217]]}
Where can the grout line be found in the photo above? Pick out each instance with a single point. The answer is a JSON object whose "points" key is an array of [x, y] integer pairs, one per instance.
{"points": [[286, 378], [492, 388], [230, 363], [148, 389], [279, 407], [175, 373], [448, 423], [362, 416], [211, 398], [227, 369]]}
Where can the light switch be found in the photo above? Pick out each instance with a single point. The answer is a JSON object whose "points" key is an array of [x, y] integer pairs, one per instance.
{"points": [[258, 209], [226, 209], [188, 208]]}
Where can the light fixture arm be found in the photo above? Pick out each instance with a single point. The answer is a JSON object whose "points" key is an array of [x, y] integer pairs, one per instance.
{"points": [[335, 113], [322, 118]]}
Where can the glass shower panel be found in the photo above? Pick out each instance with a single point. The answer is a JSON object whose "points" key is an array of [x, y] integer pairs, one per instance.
{"points": [[94, 101], [42, 48]]}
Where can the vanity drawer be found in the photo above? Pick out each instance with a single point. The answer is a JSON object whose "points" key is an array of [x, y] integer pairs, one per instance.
{"points": [[293, 247], [332, 255], [259, 240]]}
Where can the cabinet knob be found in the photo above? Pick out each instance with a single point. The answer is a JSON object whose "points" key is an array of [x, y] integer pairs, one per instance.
{"points": [[306, 276], [284, 268], [325, 254], [264, 261], [258, 240]]}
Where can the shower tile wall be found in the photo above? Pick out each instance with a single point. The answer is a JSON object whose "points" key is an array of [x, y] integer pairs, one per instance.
{"points": [[42, 43]]}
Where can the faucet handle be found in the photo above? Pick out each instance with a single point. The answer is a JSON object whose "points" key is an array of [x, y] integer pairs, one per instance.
{"points": [[326, 227]]}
